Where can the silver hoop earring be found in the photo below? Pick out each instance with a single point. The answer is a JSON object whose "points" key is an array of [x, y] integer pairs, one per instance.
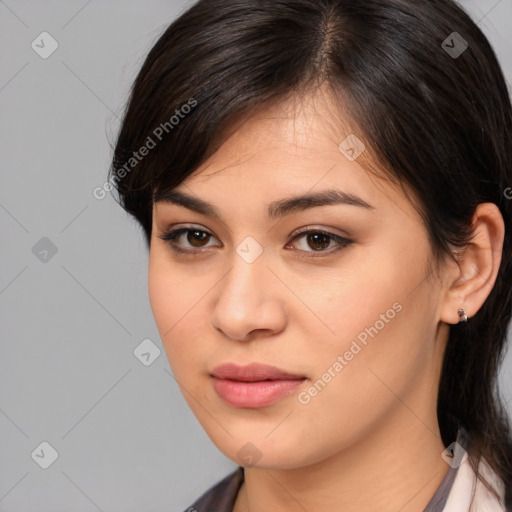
{"points": [[462, 316]]}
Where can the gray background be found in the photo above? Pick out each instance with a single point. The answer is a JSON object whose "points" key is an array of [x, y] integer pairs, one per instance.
{"points": [[125, 438]]}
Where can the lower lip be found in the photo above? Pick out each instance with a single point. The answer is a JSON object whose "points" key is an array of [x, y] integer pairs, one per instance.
{"points": [[254, 394]]}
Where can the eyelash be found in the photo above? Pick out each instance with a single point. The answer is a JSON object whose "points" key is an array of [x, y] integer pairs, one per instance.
{"points": [[172, 235]]}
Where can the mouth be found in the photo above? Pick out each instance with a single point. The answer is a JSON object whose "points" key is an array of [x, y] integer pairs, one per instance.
{"points": [[255, 385]]}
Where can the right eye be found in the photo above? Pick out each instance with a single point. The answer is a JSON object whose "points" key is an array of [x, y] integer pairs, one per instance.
{"points": [[195, 237]]}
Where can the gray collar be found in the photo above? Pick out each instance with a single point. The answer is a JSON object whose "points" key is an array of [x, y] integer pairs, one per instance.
{"points": [[438, 501]]}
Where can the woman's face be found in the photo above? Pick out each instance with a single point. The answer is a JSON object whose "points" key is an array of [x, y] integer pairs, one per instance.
{"points": [[353, 319]]}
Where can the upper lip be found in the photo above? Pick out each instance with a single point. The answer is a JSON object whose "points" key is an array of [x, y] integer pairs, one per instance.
{"points": [[252, 372]]}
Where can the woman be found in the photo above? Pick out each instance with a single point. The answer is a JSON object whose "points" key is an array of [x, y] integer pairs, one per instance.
{"points": [[322, 185]]}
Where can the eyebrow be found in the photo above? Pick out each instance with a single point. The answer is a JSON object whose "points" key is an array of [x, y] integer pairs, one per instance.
{"points": [[275, 209]]}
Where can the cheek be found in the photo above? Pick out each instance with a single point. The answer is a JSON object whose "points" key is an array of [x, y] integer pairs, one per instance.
{"points": [[355, 305], [373, 322], [175, 300], [161, 298], [382, 345], [354, 378], [167, 297], [373, 337], [171, 292]]}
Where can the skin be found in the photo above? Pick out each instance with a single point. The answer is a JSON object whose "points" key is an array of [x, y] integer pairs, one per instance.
{"points": [[369, 440]]}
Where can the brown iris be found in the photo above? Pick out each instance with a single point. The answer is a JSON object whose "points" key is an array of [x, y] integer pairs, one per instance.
{"points": [[313, 240], [196, 236]]}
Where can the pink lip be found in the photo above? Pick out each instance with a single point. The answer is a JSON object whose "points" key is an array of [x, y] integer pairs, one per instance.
{"points": [[253, 386]]}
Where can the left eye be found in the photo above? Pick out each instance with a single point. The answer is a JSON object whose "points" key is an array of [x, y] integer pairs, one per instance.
{"points": [[315, 239], [319, 241]]}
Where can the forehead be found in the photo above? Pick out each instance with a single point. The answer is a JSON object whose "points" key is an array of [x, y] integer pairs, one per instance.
{"points": [[289, 149], [301, 127]]}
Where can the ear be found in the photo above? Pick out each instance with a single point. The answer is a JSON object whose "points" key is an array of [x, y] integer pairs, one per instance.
{"points": [[471, 280]]}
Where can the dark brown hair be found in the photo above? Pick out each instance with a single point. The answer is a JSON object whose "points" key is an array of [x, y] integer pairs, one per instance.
{"points": [[437, 121]]}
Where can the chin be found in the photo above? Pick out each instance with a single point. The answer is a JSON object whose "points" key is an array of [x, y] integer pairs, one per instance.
{"points": [[264, 453]]}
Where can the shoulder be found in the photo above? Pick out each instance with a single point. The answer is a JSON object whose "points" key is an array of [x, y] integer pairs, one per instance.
{"points": [[221, 497], [459, 499]]}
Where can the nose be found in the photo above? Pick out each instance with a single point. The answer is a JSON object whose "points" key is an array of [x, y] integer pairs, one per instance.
{"points": [[249, 303]]}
